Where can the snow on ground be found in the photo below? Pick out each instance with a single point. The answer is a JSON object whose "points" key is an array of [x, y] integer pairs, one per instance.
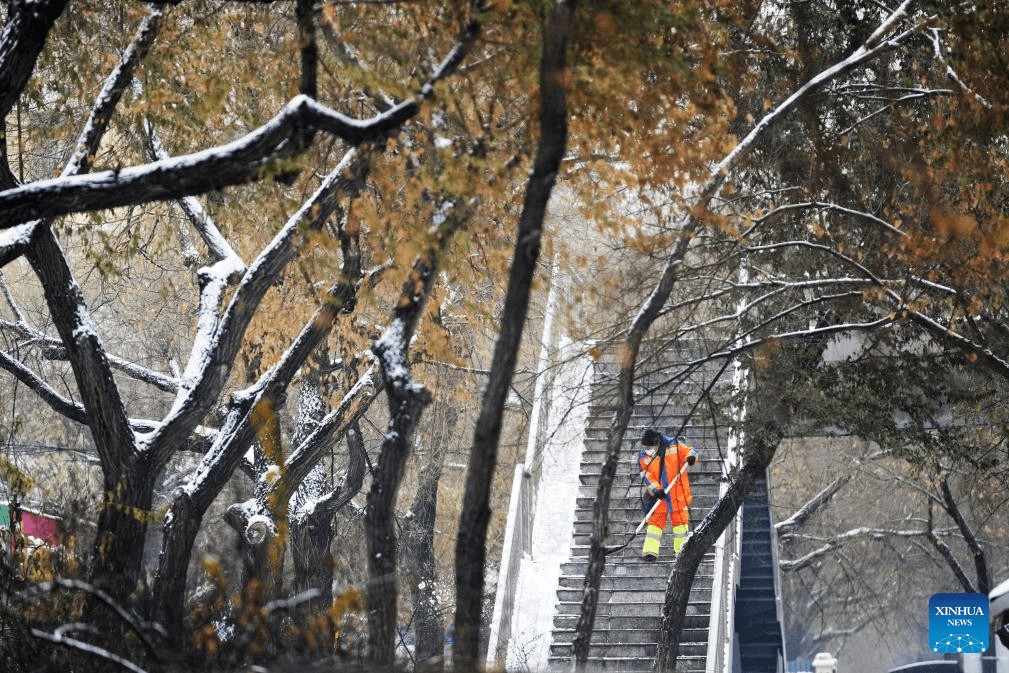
{"points": [[536, 593]]}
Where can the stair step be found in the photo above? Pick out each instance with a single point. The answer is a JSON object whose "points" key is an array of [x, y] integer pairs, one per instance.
{"points": [[632, 566], [643, 665], [567, 623], [631, 635], [697, 593], [695, 608], [598, 650], [650, 585]]}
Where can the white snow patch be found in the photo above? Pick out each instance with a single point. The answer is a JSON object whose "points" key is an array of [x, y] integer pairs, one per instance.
{"points": [[85, 326], [271, 475], [553, 525], [390, 348], [17, 235]]}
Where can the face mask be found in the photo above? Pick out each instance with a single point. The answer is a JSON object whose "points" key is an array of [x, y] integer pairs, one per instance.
{"points": [[650, 450]]}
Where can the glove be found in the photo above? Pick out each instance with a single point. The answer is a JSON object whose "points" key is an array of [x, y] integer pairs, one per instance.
{"points": [[655, 491], [692, 458]]}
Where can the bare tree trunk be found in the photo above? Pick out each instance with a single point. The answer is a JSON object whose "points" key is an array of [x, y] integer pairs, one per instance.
{"points": [[418, 554], [312, 535], [128, 475], [470, 544], [28, 25], [122, 530], [182, 523], [406, 404], [407, 399], [169, 590]]}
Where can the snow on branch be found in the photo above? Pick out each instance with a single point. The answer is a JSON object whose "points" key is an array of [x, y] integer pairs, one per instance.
{"points": [[96, 385], [216, 243], [234, 163], [246, 159], [807, 510], [111, 93], [307, 454], [914, 95], [950, 72], [14, 242], [305, 457], [60, 404], [932, 285], [391, 347], [944, 333], [218, 337], [836, 541], [746, 308], [825, 205], [740, 347], [53, 349]]}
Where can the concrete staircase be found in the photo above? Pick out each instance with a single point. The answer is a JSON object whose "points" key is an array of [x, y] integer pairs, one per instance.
{"points": [[632, 591]]}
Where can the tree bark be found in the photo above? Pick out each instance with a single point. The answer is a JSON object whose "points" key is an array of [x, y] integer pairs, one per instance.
{"points": [[182, 523], [470, 544], [311, 533], [405, 406], [28, 25], [418, 552], [309, 573], [128, 475], [167, 608], [122, 530]]}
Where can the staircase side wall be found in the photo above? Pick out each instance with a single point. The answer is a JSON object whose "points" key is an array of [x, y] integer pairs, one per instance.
{"points": [[540, 519], [515, 546]]}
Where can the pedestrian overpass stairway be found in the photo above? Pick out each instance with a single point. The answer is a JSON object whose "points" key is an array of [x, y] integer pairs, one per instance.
{"points": [[632, 591]]}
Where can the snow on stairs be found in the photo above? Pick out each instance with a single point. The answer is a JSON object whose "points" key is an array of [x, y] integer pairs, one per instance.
{"points": [[628, 616]]}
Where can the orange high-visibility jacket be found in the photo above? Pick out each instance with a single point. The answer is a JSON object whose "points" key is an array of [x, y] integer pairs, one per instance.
{"points": [[653, 474]]}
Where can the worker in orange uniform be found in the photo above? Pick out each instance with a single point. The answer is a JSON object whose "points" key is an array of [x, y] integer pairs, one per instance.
{"points": [[660, 460]]}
